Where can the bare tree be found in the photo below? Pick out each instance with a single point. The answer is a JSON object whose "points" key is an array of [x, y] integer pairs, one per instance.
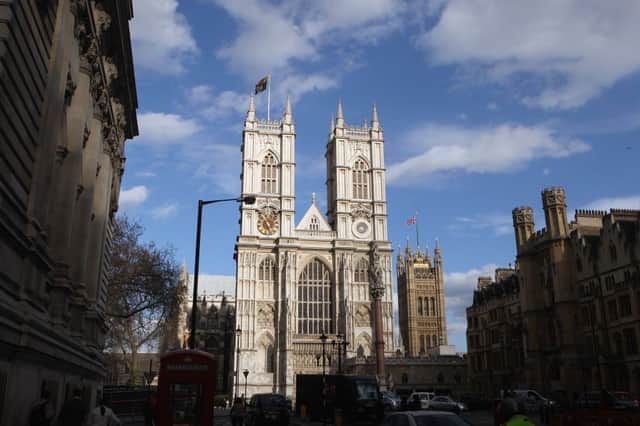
{"points": [[144, 291]]}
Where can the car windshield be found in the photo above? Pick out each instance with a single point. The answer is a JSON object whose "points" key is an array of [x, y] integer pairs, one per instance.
{"points": [[366, 390], [271, 401], [439, 420]]}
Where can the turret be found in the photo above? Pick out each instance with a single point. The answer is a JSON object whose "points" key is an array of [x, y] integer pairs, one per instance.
{"points": [[437, 254], [251, 113], [523, 225], [555, 212], [375, 124], [339, 115], [287, 118]]}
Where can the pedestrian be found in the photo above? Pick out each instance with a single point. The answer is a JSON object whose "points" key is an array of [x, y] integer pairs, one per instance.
{"points": [[73, 411], [150, 410], [42, 412], [512, 414], [226, 403], [102, 415], [238, 412]]}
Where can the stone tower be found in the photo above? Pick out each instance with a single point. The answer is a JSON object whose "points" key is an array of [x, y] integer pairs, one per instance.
{"points": [[295, 282], [421, 306]]}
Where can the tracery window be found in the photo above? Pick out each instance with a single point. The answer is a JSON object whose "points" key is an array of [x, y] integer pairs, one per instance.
{"points": [[433, 306], [361, 278], [360, 180], [314, 225], [266, 279], [420, 308], [269, 174], [426, 306], [428, 341], [315, 295], [421, 343]]}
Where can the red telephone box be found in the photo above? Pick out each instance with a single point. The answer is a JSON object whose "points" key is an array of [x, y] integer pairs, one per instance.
{"points": [[186, 388]]}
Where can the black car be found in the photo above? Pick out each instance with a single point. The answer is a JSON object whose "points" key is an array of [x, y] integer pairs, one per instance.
{"points": [[603, 399], [267, 408]]}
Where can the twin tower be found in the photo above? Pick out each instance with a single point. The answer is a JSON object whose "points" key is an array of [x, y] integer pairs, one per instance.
{"points": [[298, 279]]}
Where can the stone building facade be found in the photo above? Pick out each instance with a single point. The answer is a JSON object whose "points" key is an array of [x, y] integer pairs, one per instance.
{"points": [[214, 334], [297, 281], [607, 261], [442, 374], [421, 306], [495, 347], [579, 297], [67, 105]]}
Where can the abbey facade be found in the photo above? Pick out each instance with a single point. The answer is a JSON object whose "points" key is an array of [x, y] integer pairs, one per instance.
{"points": [[298, 280]]}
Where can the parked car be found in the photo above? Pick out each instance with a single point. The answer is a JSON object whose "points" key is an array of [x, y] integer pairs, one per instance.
{"points": [[424, 418], [391, 401], [533, 401], [419, 400], [603, 399], [444, 403], [267, 408]]}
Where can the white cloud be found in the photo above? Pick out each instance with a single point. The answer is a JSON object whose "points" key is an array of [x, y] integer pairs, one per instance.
{"points": [[492, 106], [630, 202], [572, 50], [219, 164], [164, 211], [162, 38], [497, 223], [213, 284], [459, 287], [276, 37], [133, 197], [162, 128], [504, 148]]}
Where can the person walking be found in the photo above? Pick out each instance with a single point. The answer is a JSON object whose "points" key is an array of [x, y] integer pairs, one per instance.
{"points": [[103, 416], [238, 412], [42, 412], [73, 411]]}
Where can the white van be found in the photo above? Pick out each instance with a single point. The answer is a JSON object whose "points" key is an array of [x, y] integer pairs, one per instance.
{"points": [[419, 400]]}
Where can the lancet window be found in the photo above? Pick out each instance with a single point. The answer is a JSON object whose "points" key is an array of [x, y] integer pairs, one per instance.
{"points": [[360, 180], [420, 307], [269, 174], [361, 278], [315, 296], [269, 364], [266, 279]]}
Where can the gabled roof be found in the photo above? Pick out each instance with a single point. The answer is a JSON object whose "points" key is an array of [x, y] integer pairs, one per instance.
{"points": [[313, 212]]}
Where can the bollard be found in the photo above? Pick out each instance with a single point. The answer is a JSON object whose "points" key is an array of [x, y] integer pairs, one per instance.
{"points": [[303, 411]]}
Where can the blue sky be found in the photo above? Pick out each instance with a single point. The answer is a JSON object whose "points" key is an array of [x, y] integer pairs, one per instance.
{"points": [[483, 105]]}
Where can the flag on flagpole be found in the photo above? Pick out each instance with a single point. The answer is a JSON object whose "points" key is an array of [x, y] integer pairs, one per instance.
{"points": [[262, 85], [412, 221]]}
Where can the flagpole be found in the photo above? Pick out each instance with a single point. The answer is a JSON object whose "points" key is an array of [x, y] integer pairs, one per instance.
{"points": [[268, 97], [417, 233]]}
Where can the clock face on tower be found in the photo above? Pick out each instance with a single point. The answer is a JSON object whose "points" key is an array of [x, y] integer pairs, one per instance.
{"points": [[361, 228], [268, 221]]}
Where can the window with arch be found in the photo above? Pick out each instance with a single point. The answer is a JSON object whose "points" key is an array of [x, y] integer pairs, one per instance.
{"points": [[314, 225], [266, 278], [270, 360], [420, 307], [269, 174], [428, 341], [612, 252], [361, 278], [315, 296], [360, 180], [421, 343], [433, 306], [426, 306]]}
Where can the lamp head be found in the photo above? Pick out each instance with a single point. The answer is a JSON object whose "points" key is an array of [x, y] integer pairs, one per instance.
{"points": [[249, 199], [323, 337], [245, 373], [238, 331]]}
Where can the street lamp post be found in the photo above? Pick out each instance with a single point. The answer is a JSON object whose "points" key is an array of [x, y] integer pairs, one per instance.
{"points": [[245, 373], [194, 307], [323, 339], [238, 332]]}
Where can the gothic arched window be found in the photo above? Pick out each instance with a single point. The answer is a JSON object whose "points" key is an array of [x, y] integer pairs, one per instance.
{"points": [[360, 180], [361, 278], [428, 341], [314, 225], [269, 175], [266, 279], [426, 306], [269, 362], [612, 252], [420, 308], [433, 306], [422, 343], [315, 296]]}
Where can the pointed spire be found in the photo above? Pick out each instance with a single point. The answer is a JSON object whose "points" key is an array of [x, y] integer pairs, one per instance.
{"points": [[375, 124], [288, 116], [436, 252], [332, 124], [426, 254], [251, 113], [408, 248], [313, 198], [339, 116]]}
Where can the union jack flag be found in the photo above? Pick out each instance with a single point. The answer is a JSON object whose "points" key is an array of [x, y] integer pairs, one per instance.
{"points": [[412, 221]]}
